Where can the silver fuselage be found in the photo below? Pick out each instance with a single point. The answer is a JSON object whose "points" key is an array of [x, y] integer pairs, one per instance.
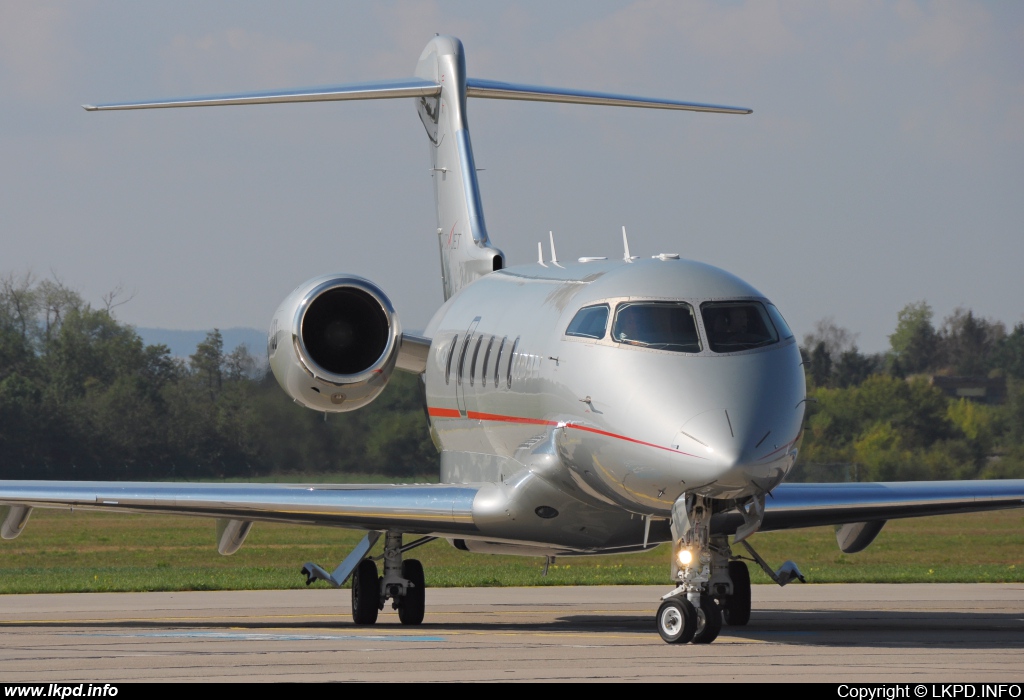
{"points": [[624, 425]]}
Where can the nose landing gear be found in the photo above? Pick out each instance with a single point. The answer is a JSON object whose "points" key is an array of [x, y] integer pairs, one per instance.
{"points": [[714, 584], [689, 613]]}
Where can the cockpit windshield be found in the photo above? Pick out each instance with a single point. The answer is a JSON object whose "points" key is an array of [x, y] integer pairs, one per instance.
{"points": [[737, 325], [659, 325]]}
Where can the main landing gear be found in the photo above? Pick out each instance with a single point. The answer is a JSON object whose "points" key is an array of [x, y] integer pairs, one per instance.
{"points": [[403, 581]]}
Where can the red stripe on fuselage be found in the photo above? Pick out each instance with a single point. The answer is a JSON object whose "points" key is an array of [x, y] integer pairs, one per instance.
{"points": [[476, 415], [629, 439], [443, 412]]}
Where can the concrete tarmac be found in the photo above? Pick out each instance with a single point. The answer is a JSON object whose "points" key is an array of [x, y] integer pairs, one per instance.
{"points": [[857, 633]]}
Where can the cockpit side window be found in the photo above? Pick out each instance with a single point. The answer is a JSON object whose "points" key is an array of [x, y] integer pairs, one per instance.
{"points": [[589, 322], [780, 323], [660, 325], [737, 325]]}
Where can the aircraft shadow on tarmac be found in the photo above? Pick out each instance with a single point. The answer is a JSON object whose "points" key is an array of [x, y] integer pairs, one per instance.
{"points": [[855, 628], [860, 628]]}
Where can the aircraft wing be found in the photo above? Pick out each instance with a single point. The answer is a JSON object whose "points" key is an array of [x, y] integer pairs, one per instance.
{"points": [[447, 509], [440, 509], [809, 505]]}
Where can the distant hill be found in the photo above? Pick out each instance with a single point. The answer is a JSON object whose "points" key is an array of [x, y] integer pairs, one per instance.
{"points": [[183, 343]]}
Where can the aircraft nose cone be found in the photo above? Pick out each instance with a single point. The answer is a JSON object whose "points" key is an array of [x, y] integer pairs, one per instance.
{"points": [[737, 446], [711, 435]]}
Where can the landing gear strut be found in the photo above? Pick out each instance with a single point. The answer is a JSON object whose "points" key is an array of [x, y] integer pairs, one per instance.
{"points": [[730, 582], [402, 582]]}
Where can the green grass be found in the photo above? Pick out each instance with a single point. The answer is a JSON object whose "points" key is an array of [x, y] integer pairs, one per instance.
{"points": [[75, 552]]}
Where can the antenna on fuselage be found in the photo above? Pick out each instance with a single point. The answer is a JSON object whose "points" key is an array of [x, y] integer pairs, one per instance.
{"points": [[554, 256], [625, 246]]}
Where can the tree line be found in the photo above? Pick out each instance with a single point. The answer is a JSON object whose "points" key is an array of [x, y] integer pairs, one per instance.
{"points": [[82, 397], [880, 417]]}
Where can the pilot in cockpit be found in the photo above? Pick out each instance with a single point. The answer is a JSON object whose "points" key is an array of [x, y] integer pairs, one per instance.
{"points": [[627, 327]]}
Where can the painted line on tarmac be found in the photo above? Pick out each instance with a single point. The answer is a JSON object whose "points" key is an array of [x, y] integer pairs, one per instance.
{"points": [[336, 616], [278, 637], [261, 636], [208, 618]]}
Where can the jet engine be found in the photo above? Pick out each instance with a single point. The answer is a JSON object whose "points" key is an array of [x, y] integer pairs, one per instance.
{"points": [[334, 342]]}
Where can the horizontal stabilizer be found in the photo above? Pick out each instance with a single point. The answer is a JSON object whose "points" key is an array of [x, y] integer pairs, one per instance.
{"points": [[495, 90], [378, 90], [417, 87]]}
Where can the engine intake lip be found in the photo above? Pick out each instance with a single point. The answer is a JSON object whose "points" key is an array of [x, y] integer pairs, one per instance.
{"points": [[345, 330]]}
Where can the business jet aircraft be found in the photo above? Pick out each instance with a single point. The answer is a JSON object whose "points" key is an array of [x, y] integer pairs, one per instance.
{"points": [[601, 406]]}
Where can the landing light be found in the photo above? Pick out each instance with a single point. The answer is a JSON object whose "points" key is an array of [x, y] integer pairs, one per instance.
{"points": [[685, 556]]}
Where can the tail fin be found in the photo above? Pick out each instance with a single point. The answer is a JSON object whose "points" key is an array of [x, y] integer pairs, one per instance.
{"points": [[441, 87], [466, 251]]}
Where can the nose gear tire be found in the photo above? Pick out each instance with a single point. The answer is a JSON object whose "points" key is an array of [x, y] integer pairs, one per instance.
{"points": [[677, 621], [709, 621]]}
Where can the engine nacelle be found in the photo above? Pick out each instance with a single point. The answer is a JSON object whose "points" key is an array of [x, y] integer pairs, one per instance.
{"points": [[334, 342]]}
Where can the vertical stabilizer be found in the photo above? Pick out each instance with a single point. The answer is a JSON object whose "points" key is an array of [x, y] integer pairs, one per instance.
{"points": [[466, 250], [440, 89]]}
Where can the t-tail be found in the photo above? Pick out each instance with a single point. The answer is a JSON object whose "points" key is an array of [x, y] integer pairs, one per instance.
{"points": [[466, 250], [441, 88]]}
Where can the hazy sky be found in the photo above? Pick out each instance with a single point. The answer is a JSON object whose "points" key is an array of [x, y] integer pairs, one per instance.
{"points": [[883, 163]]}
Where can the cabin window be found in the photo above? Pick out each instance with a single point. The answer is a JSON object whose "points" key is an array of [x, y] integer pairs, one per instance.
{"points": [[659, 325], [780, 323], [737, 325], [511, 361], [462, 357], [487, 358], [476, 353], [589, 322], [448, 363], [497, 360]]}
